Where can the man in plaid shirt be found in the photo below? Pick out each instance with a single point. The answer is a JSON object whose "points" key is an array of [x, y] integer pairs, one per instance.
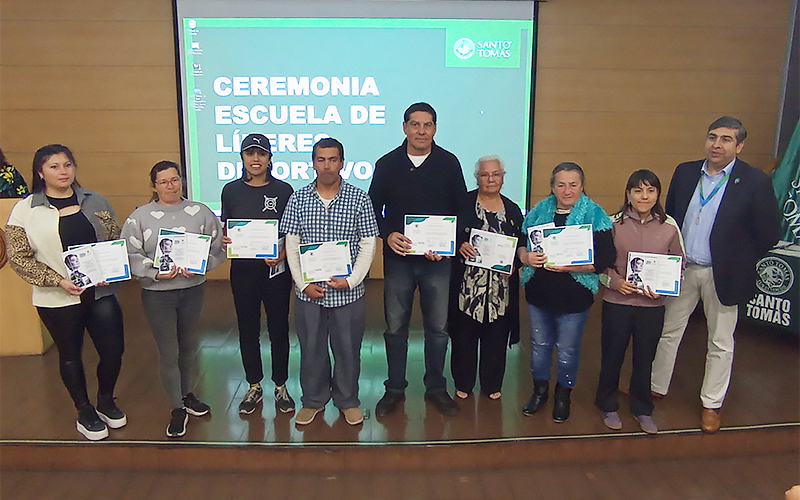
{"points": [[332, 311]]}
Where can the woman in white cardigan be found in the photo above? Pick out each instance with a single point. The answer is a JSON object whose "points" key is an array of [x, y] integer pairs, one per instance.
{"points": [[60, 214]]}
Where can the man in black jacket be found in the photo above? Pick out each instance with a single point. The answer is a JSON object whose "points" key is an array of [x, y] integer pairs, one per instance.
{"points": [[417, 178], [729, 219]]}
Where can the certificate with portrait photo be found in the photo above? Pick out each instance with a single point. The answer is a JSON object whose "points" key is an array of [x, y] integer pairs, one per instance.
{"points": [[661, 272], [569, 245], [321, 261], [106, 261], [494, 251], [185, 250], [434, 233]]}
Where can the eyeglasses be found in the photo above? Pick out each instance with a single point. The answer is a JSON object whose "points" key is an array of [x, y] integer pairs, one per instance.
{"points": [[172, 182], [491, 175]]}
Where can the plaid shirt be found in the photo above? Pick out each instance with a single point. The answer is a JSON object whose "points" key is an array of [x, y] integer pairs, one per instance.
{"points": [[349, 217]]}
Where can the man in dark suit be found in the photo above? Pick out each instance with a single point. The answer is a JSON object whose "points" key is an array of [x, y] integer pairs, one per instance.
{"points": [[729, 219]]}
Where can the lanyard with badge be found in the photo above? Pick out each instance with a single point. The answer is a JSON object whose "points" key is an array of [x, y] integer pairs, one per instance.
{"points": [[704, 200]]}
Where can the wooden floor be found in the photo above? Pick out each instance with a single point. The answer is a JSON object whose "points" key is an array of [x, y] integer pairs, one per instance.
{"points": [[34, 405], [490, 450], [742, 478]]}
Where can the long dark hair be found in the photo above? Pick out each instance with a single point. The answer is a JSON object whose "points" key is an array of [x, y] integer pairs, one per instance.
{"points": [[637, 179], [160, 167], [39, 159]]}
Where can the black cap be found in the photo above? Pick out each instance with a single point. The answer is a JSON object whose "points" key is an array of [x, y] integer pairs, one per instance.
{"points": [[256, 141]]}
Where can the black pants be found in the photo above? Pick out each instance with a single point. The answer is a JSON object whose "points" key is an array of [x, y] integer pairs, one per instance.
{"points": [[251, 287], [466, 334], [103, 320], [620, 323]]}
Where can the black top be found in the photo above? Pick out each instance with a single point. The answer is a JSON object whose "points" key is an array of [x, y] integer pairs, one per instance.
{"points": [[73, 229], [399, 188], [559, 293], [242, 201]]}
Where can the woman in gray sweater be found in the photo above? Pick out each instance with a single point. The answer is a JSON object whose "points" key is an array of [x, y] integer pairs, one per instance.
{"points": [[172, 299]]}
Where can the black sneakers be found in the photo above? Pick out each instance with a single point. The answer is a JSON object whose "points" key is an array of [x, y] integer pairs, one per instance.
{"points": [[109, 413], [194, 406], [252, 397], [388, 403], [177, 423], [284, 400], [90, 425]]}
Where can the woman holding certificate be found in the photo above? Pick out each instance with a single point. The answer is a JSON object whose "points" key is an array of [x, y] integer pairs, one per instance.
{"points": [[484, 301], [632, 309], [173, 299], [254, 281], [559, 296], [58, 215]]}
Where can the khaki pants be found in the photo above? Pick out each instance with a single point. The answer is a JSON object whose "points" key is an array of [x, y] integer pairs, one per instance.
{"points": [[698, 283]]}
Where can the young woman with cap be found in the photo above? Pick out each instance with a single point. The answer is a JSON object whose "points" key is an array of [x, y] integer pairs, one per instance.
{"points": [[258, 195]]}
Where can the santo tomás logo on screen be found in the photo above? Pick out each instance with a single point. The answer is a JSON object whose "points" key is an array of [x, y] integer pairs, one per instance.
{"points": [[464, 48], [471, 45]]}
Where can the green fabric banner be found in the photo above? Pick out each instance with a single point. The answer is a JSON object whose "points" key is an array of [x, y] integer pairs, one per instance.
{"points": [[786, 182]]}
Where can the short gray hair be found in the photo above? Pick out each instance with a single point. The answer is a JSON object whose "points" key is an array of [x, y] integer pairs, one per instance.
{"points": [[488, 158]]}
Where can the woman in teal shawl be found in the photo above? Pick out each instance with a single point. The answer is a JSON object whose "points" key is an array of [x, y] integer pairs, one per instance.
{"points": [[559, 297]]}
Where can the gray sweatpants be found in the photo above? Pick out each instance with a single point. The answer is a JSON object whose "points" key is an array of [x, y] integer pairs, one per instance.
{"points": [[343, 327], [173, 316]]}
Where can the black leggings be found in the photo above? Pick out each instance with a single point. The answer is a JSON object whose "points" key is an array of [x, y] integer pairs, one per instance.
{"points": [[103, 319], [252, 287]]}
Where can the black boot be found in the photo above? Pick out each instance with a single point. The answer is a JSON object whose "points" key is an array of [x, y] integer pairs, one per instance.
{"points": [[561, 405], [541, 391]]}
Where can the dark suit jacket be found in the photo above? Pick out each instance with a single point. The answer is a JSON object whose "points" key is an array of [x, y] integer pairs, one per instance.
{"points": [[467, 220], [747, 225]]}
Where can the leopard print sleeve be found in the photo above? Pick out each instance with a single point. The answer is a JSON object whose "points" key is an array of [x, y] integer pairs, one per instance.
{"points": [[111, 227], [23, 262]]}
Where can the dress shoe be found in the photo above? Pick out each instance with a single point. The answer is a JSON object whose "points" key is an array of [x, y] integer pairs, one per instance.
{"points": [[711, 420], [442, 401], [541, 391], [388, 403], [561, 404]]}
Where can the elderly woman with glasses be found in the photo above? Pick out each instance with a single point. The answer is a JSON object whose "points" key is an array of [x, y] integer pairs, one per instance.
{"points": [[484, 303]]}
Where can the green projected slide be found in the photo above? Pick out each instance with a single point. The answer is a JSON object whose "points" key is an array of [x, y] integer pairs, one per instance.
{"points": [[297, 80]]}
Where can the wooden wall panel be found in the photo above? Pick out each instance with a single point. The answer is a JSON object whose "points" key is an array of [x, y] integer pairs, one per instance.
{"points": [[88, 43], [659, 47], [730, 14], [639, 90], [100, 88], [103, 10]]}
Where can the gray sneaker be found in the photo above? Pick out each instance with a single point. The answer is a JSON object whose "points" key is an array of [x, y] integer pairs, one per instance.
{"points": [[611, 420], [283, 400], [251, 398], [647, 423]]}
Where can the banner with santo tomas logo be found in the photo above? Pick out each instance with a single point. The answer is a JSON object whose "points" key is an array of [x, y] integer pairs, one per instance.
{"points": [[776, 300]]}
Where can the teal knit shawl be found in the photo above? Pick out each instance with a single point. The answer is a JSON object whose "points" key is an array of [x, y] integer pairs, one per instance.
{"points": [[585, 211]]}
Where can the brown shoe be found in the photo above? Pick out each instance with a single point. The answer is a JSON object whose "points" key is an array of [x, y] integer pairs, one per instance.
{"points": [[353, 416], [306, 415], [711, 420]]}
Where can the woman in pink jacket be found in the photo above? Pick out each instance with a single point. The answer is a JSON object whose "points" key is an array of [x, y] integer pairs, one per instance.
{"points": [[630, 308]]}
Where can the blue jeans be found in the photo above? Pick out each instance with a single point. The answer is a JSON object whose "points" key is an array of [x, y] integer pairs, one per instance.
{"points": [[401, 278], [565, 331]]}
